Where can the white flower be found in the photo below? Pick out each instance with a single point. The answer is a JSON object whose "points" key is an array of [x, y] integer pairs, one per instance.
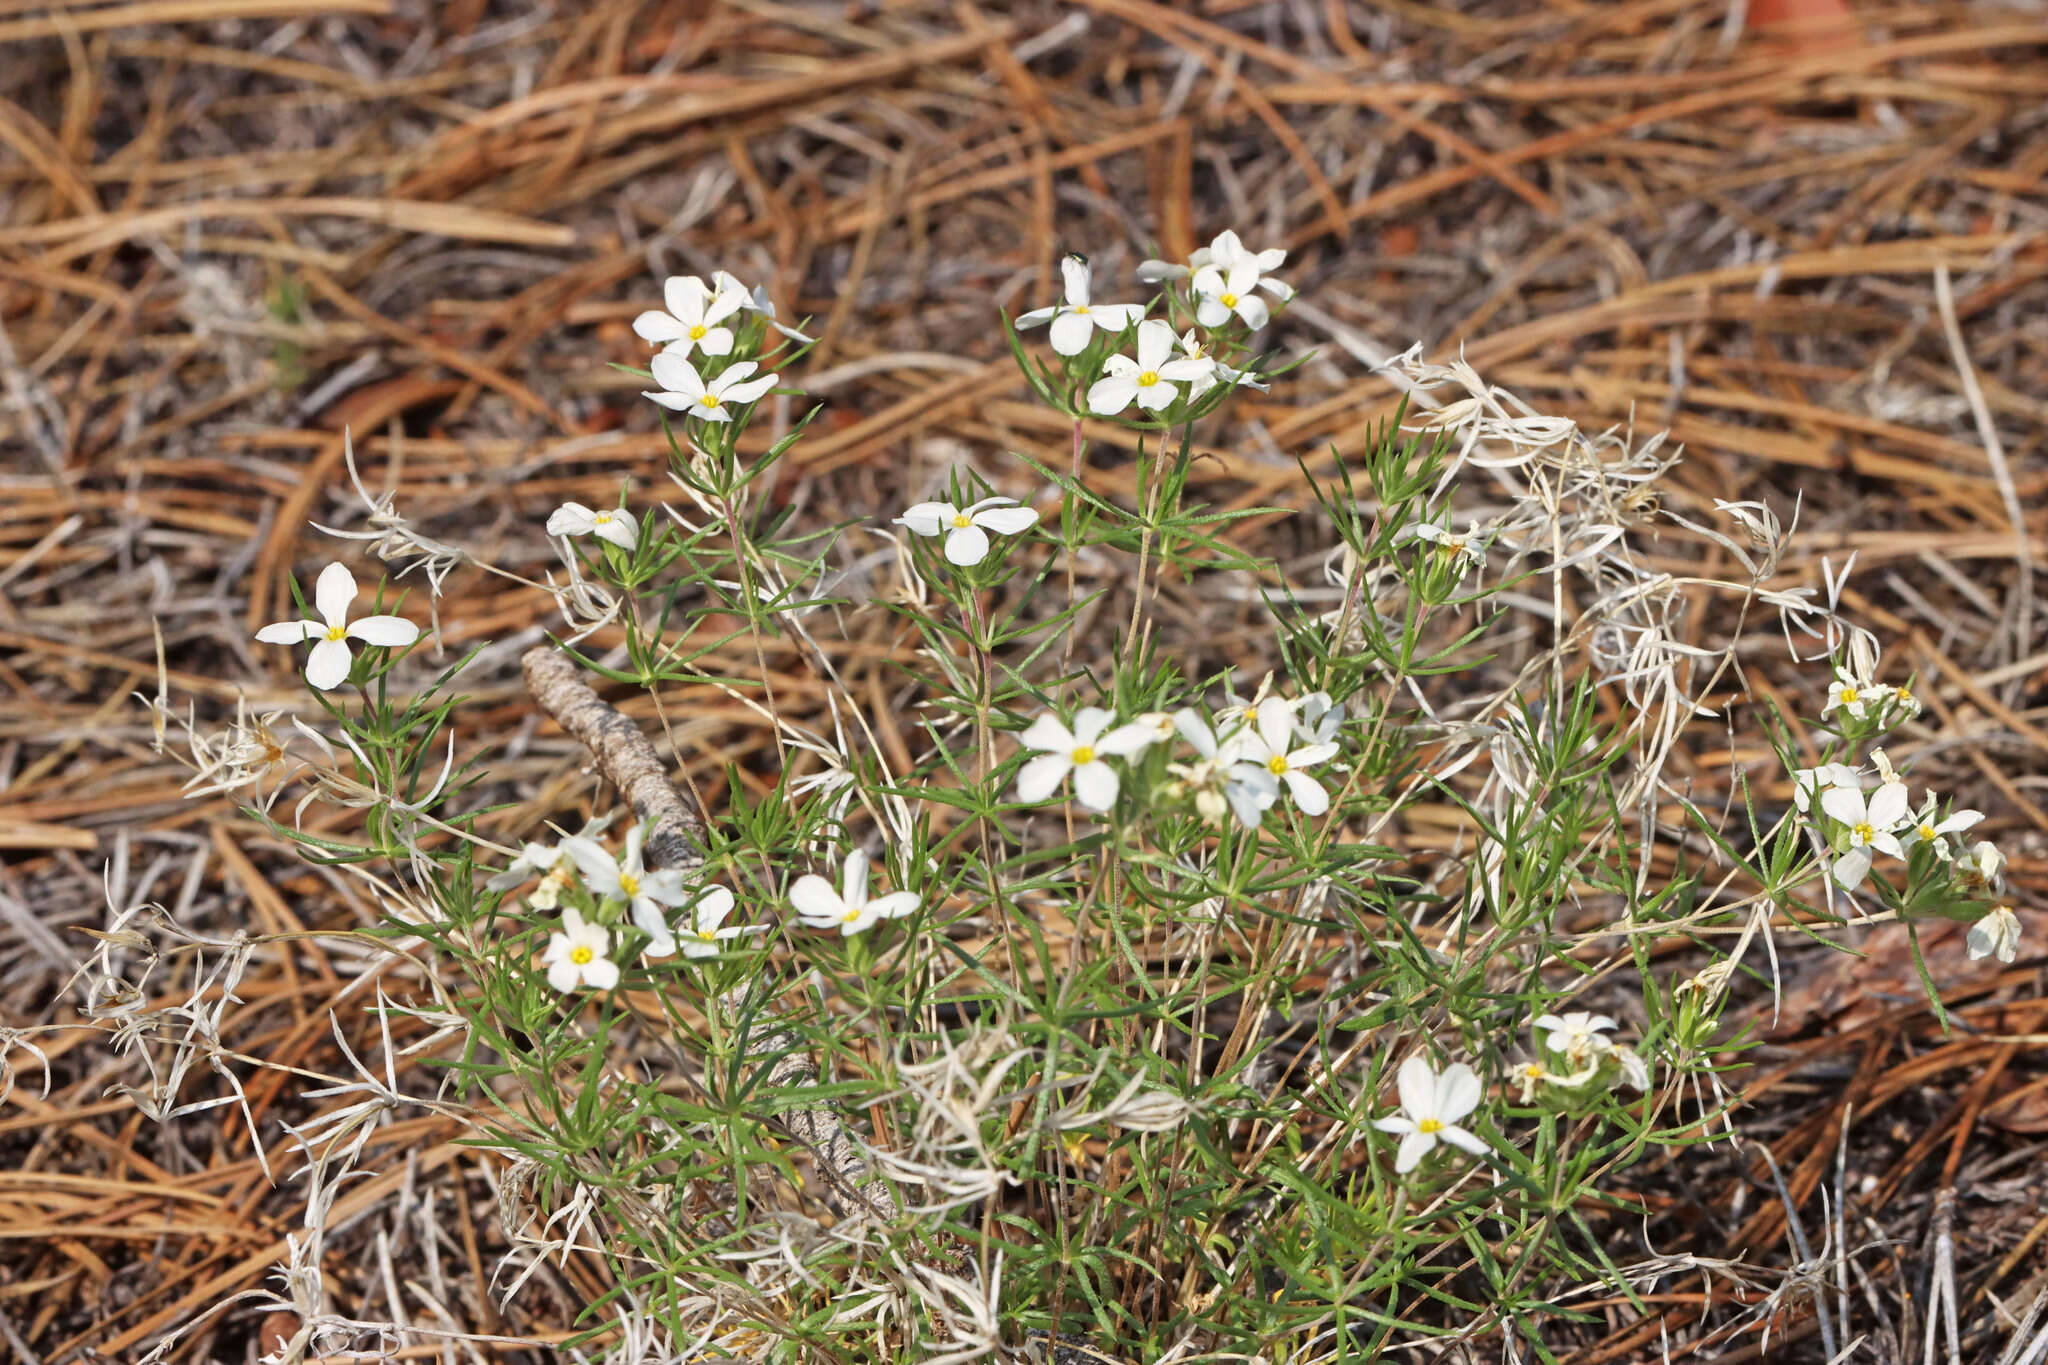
{"points": [[1079, 751], [1872, 824], [328, 665], [626, 877], [1236, 714], [1463, 550], [1150, 379], [1849, 693], [1223, 253], [708, 928], [1996, 935], [691, 323], [1980, 870], [1576, 1036], [1271, 745], [966, 528], [1431, 1107], [576, 956], [1925, 829], [1809, 783], [684, 390], [850, 910], [1075, 321], [1219, 781], [1221, 292], [755, 301], [614, 524]]}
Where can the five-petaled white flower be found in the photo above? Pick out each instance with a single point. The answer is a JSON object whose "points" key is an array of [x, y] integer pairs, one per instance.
{"points": [[850, 910], [576, 955], [1925, 829], [1576, 1036], [614, 524], [691, 323], [1151, 380], [1872, 822], [1270, 744], [1851, 694], [708, 928], [1079, 751], [1996, 935], [628, 878], [1464, 551], [328, 665], [966, 528], [1075, 321], [1223, 291], [686, 391], [1220, 780], [1431, 1107]]}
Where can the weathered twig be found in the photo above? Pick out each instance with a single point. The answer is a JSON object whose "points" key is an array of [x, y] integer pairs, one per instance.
{"points": [[626, 759]]}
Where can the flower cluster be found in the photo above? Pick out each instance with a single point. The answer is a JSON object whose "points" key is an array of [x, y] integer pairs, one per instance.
{"points": [[1573, 1051], [1860, 816], [1212, 304], [703, 366], [1240, 764]]}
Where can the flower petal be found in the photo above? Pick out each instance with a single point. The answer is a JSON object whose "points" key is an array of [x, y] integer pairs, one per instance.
{"points": [[1037, 779], [333, 593], [328, 665], [895, 905], [966, 545], [1414, 1147], [1844, 804], [290, 632], [564, 975], [1467, 1141], [1048, 734], [1071, 332], [1155, 344], [1309, 795], [684, 295], [1095, 785], [1075, 273], [571, 519], [1111, 394], [389, 631], [658, 327], [928, 518], [1007, 521], [676, 375], [601, 973], [1416, 1083], [815, 899], [1458, 1093], [600, 870]]}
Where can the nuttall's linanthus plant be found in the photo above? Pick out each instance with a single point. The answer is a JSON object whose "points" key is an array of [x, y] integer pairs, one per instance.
{"points": [[1153, 1041]]}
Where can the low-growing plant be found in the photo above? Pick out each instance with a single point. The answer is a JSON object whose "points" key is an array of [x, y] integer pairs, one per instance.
{"points": [[1088, 999]]}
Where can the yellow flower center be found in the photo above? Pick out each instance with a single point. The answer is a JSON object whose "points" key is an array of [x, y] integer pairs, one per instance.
{"points": [[629, 883], [1850, 694], [1534, 1071], [1080, 307], [1430, 1126], [709, 400], [603, 518], [706, 936], [850, 916], [1277, 764], [1085, 754], [1926, 832], [1905, 696], [962, 520], [1227, 300], [581, 955], [697, 332], [1148, 379], [1861, 832]]}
